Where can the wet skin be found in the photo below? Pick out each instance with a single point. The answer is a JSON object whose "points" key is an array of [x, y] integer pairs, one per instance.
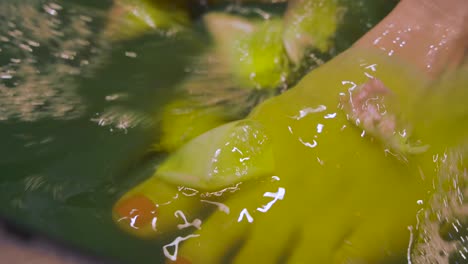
{"points": [[343, 191], [347, 195], [249, 61], [347, 198]]}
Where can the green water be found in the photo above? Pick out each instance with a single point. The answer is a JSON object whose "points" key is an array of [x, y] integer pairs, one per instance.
{"points": [[61, 173]]}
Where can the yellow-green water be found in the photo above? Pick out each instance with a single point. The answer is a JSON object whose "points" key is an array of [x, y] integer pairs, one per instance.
{"points": [[84, 140]]}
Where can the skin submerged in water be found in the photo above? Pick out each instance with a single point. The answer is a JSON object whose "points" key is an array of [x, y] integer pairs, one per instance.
{"points": [[265, 66], [230, 87], [345, 196], [254, 59], [339, 191], [248, 63], [347, 199]]}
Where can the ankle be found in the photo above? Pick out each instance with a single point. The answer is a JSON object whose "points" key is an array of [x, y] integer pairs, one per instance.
{"points": [[424, 34]]}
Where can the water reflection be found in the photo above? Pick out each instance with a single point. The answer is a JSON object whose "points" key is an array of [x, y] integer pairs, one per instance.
{"points": [[175, 245], [308, 110], [276, 196], [44, 47], [442, 224], [245, 214], [222, 207], [195, 223]]}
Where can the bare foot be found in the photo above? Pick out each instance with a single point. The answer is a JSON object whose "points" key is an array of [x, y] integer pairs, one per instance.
{"points": [[332, 196], [343, 199]]}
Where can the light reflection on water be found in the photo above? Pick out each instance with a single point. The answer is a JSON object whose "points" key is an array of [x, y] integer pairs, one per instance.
{"points": [[44, 48]]}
